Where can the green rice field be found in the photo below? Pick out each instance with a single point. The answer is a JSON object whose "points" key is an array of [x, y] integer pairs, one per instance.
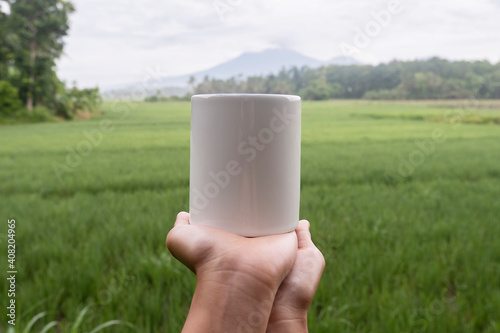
{"points": [[403, 200]]}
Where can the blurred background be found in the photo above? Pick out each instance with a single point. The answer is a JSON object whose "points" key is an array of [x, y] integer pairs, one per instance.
{"points": [[400, 154]]}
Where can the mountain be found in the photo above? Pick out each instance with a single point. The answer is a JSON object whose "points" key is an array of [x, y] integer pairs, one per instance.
{"points": [[248, 64], [260, 63], [343, 61]]}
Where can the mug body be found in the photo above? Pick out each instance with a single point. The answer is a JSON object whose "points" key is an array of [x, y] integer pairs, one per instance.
{"points": [[245, 162]]}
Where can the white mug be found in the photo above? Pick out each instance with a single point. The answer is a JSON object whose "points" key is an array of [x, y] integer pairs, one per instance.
{"points": [[245, 162]]}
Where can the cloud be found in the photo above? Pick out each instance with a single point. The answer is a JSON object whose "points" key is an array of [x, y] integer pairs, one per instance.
{"points": [[4, 7], [114, 41]]}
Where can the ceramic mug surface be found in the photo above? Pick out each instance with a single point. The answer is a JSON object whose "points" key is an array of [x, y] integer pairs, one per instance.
{"points": [[245, 162]]}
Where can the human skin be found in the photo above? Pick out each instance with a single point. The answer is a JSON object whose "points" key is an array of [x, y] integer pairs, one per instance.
{"points": [[241, 281], [296, 292], [237, 277]]}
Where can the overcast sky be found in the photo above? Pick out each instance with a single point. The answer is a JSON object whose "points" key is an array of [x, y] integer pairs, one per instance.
{"points": [[114, 42]]}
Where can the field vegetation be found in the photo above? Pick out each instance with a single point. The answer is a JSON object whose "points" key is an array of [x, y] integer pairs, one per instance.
{"points": [[409, 225]]}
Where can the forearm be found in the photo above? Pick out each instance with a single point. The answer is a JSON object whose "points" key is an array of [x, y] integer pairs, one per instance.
{"points": [[229, 302]]}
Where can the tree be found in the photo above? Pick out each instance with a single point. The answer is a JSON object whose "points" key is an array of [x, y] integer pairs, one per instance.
{"points": [[40, 26], [255, 84], [431, 79], [192, 82], [9, 102], [6, 55]]}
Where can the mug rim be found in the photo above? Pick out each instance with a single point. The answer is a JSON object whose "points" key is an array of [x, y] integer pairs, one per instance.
{"points": [[290, 98]]}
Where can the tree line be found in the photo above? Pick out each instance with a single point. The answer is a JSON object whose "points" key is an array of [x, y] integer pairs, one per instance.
{"points": [[31, 40], [434, 78]]}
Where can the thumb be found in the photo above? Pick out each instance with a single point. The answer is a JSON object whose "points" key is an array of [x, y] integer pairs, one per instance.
{"points": [[303, 234], [182, 219]]}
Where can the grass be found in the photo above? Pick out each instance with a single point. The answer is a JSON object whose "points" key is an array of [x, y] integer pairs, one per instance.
{"points": [[23, 116], [412, 253]]}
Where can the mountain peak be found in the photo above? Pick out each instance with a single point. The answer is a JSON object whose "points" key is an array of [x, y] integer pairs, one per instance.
{"points": [[269, 61], [261, 63]]}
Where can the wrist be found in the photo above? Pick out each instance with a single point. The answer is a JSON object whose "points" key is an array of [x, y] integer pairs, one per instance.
{"points": [[287, 322], [229, 301]]}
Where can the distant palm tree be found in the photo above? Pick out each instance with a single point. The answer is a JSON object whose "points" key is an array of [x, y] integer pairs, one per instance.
{"points": [[192, 83]]}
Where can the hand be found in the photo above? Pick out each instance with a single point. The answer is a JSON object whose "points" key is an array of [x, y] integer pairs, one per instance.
{"points": [[237, 277], [289, 312]]}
